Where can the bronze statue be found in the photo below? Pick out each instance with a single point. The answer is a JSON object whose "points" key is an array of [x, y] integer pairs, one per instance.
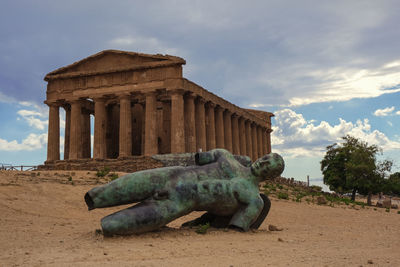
{"points": [[219, 184]]}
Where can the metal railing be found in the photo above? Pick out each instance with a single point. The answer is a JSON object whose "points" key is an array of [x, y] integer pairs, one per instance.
{"points": [[9, 167]]}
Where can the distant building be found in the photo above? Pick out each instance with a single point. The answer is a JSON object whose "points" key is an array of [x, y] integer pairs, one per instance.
{"points": [[142, 105]]}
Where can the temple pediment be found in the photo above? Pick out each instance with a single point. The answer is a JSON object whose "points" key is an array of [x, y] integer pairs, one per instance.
{"points": [[109, 61]]}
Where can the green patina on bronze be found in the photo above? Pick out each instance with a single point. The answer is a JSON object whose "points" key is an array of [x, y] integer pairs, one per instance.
{"points": [[225, 186]]}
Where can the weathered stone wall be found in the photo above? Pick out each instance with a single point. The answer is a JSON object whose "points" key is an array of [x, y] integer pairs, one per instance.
{"points": [[131, 164]]}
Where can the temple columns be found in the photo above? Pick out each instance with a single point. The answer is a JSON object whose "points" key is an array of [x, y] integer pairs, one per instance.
{"points": [[190, 124], [254, 141], [75, 146], [269, 141], [86, 142], [67, 109], [125, 126], [200, 125], [210, 123], [264, 141], [235, 135], [53, 137], [249, 143], [242, 136], [150, 142], [99, 142], [219, 127], [259, 142], [177, 122], [228, 130]]}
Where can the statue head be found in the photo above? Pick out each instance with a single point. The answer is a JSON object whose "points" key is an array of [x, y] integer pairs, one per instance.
{"points": [[268, 166]]}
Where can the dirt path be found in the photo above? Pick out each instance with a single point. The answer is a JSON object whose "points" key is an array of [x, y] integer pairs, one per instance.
{"points": [[45, 222]]}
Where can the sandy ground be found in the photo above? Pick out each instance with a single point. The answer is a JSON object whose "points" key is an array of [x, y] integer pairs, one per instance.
{"points": [[45, 222]]}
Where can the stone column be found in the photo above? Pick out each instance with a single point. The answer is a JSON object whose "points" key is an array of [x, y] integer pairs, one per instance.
{"points": [[235, 135], [219, 127], [86, 142], [190, 124], [249, 143], [67, 109], [166, 130], [210, 125], [99, 142], [269, 141], [254, 141], [200, 125], [53, 136], [259, 142], [125, 126], [264, 140], [137, 129], [228, 130], [242, 136], [150, 140], [75, 146], [177, 122]]}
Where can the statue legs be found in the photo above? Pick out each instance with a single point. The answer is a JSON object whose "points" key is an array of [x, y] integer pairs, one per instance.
{"points": [[146, 216], [131, 188]]}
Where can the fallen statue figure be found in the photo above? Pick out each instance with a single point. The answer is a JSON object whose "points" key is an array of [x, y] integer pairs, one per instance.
{"points": [[219, 184]]}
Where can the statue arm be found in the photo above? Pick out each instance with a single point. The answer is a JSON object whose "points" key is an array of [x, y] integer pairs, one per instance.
{"points": [[251, 207], [202, 158]]}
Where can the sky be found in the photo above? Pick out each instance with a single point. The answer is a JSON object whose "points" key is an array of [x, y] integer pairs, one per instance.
{"points": [[324, 68]]}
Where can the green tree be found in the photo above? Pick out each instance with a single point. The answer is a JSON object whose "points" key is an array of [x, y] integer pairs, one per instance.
{"points": [[352, 167], [392, 185]]}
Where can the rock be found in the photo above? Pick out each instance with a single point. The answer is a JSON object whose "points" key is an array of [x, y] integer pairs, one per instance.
{"points": [[274, 228], [321, 200], [370, 262], [384, 203]]}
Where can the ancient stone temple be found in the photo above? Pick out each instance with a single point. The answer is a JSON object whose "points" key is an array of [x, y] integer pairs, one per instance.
{"points": [[142, 105]]}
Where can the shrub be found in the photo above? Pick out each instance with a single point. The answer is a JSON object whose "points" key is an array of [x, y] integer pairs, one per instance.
{"points": [[113, 176], [103, 172], [203, 228], [387, 210], [398, 212], [316, 188], [299, 197], [283, 195]]}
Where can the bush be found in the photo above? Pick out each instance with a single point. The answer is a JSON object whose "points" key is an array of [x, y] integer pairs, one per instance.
{"points": [[203, 228], [283, 195], [316, 188], [103, 172], [113, 176]]}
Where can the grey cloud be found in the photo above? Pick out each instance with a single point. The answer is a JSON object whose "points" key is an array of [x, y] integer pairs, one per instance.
{"points": [[248, 52]]}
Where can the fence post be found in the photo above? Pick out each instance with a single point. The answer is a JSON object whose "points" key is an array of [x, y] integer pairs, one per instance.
{"points": [[308, 180]]}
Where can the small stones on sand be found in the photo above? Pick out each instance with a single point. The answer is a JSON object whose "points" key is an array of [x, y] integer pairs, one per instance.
{"points": [[274, 228], [321, 200]]}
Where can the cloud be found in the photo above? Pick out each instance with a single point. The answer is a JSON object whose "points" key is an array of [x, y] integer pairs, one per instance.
{"points": [[36, 117], [31, 142], [294, 136], [384, 112], [285, 54], [142, 44]]}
